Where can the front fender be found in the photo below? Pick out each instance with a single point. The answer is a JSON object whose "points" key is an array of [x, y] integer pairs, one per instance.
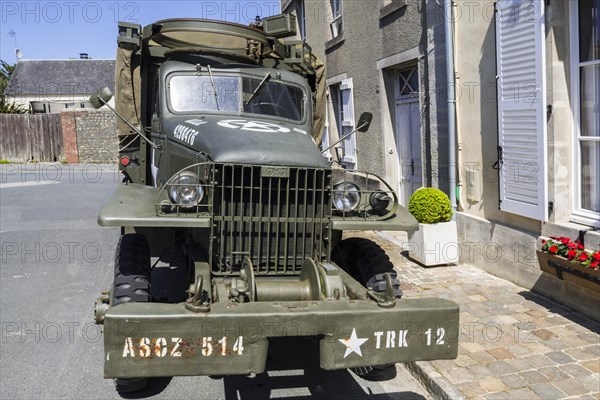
{"points": [[135, 205], [402, 220]]}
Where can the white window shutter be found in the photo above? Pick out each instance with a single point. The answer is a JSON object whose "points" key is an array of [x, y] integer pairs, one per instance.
{"points": [[349, 159], [325, 140], [521, 63]]}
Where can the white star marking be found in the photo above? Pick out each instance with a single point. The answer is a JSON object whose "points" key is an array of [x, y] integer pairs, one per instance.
{"points": [[353, 344]]}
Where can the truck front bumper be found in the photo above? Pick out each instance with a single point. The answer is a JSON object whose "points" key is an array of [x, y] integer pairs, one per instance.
{"points": [[155, 339]]}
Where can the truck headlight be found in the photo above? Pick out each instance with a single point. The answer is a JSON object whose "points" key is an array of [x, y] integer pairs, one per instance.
{"points": [[346, 196], [380, 201], [185, 189]]}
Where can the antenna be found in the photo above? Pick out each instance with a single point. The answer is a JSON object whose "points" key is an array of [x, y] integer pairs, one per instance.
{"points": [[18, 53]]}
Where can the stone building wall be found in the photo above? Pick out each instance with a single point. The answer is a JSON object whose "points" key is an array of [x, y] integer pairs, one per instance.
{"points": [[90, 136]]}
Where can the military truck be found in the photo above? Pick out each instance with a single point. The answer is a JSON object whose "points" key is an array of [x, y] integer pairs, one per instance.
{"points": [[228, 202]]}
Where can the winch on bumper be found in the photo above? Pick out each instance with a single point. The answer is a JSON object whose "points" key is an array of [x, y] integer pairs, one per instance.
{"points": [[155, 339]]}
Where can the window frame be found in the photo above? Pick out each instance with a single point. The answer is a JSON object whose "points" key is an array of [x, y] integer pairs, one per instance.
{"points": [[387, 7], [578, 214], [336, 15], [301, 18], [240, 111], [345, 118]]}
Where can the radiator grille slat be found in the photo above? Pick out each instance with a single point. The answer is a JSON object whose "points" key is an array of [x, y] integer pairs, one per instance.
{"points": [[275, 221]]}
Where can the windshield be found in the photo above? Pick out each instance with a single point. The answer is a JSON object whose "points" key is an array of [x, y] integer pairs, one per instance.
{"points": [[192, 93], [197, 93]]}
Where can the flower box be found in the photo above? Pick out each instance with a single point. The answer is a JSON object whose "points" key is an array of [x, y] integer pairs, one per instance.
{"points": [[434, 244], [571, 271], [436, 241]]}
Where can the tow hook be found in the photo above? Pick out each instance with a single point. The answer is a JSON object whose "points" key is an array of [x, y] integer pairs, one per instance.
{"points": [[101, 306], [198, 303], [386, 299]]}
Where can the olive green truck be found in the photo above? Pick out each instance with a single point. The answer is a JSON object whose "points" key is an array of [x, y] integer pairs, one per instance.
{"points": [[232, 219]]}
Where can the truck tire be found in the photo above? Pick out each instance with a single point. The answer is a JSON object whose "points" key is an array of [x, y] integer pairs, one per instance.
{"points": [[367, 262], [131, 283]]}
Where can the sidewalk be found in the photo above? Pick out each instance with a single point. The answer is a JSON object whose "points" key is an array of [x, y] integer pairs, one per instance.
{"points": [[514, 343]]}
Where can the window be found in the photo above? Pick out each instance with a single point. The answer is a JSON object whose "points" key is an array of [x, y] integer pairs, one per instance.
{"points": [[301, 18], [408, 83], [586, 103], [387, 7], [273, 98], [189, 93], [193, 93], [336, 25], [298, 8], [343, 104]]}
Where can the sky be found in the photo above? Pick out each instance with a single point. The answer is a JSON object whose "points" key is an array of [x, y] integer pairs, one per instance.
{"points": [[45, 30]]}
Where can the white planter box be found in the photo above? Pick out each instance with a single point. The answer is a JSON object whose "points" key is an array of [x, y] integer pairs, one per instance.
{"points": [[434, 244]]}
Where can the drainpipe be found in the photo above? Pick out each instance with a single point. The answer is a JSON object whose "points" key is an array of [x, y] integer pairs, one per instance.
{"points": [[449, 31]]}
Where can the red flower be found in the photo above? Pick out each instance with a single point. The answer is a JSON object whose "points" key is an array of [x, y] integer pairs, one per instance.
{"points": [[580, 246], [596, 256], [571, 254], [572, 246], [543, 241], [565, 240], [583, 257], [595, 264], [553, 249]]}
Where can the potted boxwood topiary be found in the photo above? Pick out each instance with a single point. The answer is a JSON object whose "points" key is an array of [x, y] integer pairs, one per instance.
{"points": [[436, 241]]}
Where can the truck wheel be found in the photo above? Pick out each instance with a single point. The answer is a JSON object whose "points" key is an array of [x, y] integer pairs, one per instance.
{"points": [[367, 262], [131, 283]]}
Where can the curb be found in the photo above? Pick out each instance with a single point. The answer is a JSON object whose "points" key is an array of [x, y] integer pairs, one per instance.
{"points": [[391, 239], [438, 386]]}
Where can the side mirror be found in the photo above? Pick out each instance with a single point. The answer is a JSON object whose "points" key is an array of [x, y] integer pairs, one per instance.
{"points": [[101, 97], [364, 122]]}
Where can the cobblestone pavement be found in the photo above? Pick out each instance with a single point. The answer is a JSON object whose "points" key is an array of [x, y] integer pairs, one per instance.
{"points": [[514, 344]]}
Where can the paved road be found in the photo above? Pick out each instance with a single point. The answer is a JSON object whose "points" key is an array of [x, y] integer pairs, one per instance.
{"points": [[54, 262]]}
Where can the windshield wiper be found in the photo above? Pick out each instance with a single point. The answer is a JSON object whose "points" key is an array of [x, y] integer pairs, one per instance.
{"points": [[266, 79], [212, 82]]}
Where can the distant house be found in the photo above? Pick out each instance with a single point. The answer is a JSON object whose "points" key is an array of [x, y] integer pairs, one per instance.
{"points": [[50, 86]]}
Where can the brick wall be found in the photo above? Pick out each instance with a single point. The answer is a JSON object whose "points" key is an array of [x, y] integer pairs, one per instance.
{"points": [[69, 131], [90, 136]]}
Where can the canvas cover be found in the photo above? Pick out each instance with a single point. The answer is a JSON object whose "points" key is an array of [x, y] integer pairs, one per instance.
{"points": [[128, 89], [128, 78]]}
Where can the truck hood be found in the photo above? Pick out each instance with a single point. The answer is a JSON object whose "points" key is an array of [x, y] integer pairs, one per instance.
{"points": [[245, 140]]}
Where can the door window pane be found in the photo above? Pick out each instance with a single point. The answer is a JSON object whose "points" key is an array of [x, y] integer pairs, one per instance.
{"points": [[589, 30], [590, 100], [590, 175], [589, 106]]}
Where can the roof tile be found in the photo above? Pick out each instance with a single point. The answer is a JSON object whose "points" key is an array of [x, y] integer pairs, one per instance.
{"points": [[61, 77]]}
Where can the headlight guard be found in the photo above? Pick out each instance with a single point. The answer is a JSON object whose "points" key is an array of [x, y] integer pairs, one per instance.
{"points": [[188, 192], [185, 189]]}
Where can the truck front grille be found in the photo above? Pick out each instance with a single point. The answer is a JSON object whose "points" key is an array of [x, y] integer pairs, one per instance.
{"points": [[276, 216]]}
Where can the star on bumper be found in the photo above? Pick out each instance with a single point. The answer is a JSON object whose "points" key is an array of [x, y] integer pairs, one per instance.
{"points": [[353, 344]]}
